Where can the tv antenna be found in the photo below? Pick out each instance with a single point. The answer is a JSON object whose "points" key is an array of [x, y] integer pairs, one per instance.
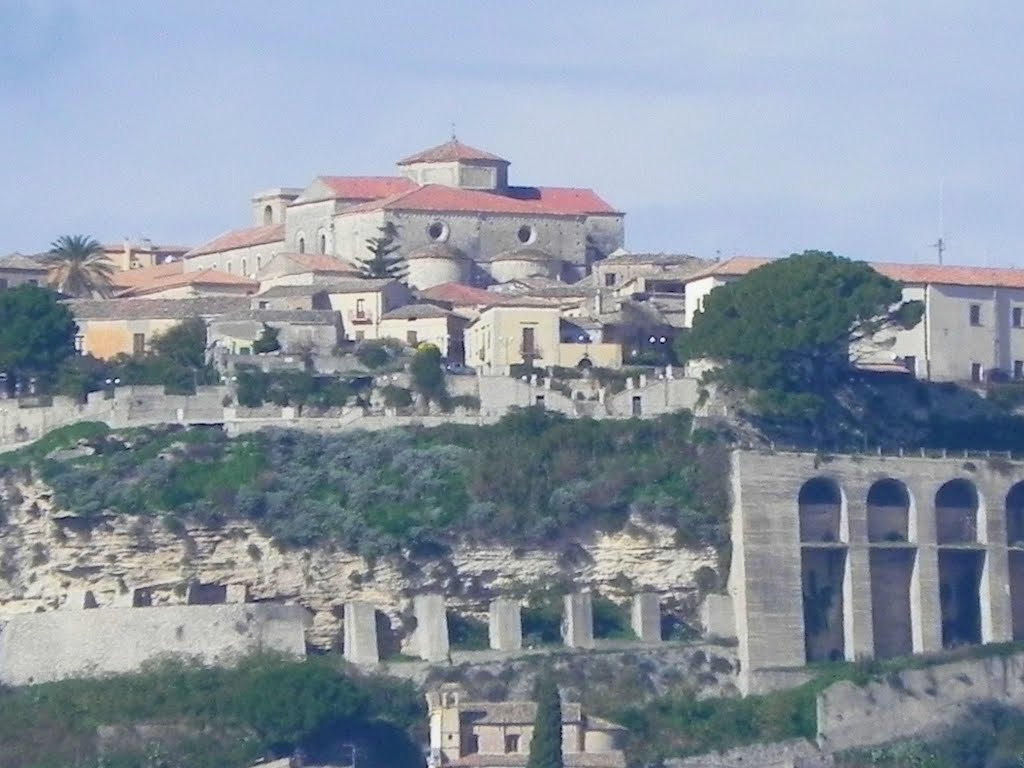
{"points": [[940, 244]]}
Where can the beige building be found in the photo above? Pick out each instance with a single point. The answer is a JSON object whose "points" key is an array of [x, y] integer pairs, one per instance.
{"points": [[498, 734], [512, 334], [107, 328], [304, 269], [457, 216], [972, 330], [416, 324], [170, 281], [16, 269]]}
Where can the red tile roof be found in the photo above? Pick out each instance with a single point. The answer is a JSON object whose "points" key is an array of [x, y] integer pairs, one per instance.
{"points": [[366, 187], [208, 277], [451, 151], [460, 295], [520, 200], [935, 274], [129, 278], [913, 274], [240, 238]]}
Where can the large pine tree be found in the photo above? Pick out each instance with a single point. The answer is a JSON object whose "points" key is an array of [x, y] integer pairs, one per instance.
{"points": [[546, 746], [382, 259]]}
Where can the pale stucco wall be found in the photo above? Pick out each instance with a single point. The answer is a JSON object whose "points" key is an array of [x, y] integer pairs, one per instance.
{"points": [[495, 339], [107, 338], [246, 262]]}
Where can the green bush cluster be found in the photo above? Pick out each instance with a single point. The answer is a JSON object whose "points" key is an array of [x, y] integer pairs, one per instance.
{"points": [[530, 479], [291, 388], [225, 717]]}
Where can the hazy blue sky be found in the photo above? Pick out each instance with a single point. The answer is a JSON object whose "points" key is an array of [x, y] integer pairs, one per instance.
{"points": [[803, 124]]}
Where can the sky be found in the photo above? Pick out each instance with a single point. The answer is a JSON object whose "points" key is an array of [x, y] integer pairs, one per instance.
{"points": [[866, 128]]}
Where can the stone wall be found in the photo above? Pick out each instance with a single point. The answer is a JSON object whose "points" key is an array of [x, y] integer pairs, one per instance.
{"points": [[796, 753], [42, 647], [915, 703]]}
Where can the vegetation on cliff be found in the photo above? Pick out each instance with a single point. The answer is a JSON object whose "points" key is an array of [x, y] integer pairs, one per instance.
{"points": [[530, 479], [177, 713]]}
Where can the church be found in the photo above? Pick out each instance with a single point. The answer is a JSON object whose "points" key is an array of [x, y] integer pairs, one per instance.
{"points": [[457, 220]]}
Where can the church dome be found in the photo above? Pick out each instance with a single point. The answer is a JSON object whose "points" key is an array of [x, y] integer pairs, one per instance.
{"points": [[436, 251]]}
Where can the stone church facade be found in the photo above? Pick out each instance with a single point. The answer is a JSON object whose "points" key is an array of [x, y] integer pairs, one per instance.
{"points": [[458, 220]]}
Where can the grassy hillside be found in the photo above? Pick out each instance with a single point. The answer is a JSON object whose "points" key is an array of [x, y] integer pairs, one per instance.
{"points": [[528, 480]]}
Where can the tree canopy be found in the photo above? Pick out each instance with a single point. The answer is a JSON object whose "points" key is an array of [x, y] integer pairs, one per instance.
{"points": [[79, 267], [546, 746], [383, 259], [784, 333], [37, 332]]}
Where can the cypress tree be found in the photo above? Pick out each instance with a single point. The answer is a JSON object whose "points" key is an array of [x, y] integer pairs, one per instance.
{"points": [[546, 746]]}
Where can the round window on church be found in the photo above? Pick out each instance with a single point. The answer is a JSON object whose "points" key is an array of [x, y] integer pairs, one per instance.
{"points": [[438, 231], [526, 234]]}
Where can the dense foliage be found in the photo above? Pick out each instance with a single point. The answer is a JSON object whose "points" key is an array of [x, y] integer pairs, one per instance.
{"points": [[427, 374], [37, 333], [294, 388], [784, 333], [220, 717], [546, 744], [531, 478], [383, 259]]}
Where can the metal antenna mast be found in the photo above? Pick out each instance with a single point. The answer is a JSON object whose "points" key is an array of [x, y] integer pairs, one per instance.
{"points": [[940, 244]]}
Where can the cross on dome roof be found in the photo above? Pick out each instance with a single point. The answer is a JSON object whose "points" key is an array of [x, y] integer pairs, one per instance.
{"points": [[452, 150]]}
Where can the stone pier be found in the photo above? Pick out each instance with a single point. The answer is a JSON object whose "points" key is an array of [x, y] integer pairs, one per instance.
{"points": [[360, 634], [431, 638], [646, 617], [578, 621], [505, 625]]}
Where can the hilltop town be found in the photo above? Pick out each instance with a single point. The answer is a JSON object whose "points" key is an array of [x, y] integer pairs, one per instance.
{"points": [[447, 434]]}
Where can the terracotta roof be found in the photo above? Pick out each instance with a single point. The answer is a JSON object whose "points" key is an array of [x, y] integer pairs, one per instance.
{"points": [[240, 238], [366, 187], [525, 201], [460, 295], [212, 277], [915, 274], [451, 151], [156, 309], [436, 251], [319, 262], [129, 278], [415, 312], [654, 259], [935, 274], [358, 285]]}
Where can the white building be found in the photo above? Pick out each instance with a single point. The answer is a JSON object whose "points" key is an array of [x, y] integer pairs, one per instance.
{"points": [[973, 325]]}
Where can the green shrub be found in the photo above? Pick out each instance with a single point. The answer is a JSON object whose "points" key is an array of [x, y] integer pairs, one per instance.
{"points": [[395, 396], [373, 354]]}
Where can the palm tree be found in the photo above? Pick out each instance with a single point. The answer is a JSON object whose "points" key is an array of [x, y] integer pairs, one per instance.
{"points": [[79, 267]]}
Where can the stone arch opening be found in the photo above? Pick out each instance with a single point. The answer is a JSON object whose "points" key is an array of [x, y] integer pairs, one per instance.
{"points": [[1015, 542], [820, 504], [956, 513], [323, 243], [960, 572], [268, 215], [302, 245], [888, 511], [823, 573]]}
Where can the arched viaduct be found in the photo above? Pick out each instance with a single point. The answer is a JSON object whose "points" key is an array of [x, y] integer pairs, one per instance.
{"points": [[847, 557]]}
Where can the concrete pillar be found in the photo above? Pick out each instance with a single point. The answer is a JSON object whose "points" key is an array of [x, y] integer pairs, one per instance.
{"points": [[630, 383], [717, 617], [646, 617], [925, 609], [643, 380], [360, 634], [533, 379], [431, 640], [78, 599], [668, 372], [236, 593], [578, 621], [505, 625], [858, 623]]}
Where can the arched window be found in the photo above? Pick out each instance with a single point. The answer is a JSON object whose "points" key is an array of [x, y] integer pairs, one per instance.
{"points": [[259, 263], [302, 245], [227, 267], [244, 272], [888, 511], [323, 243], [820, 508], [956, 513], [268, 216]]}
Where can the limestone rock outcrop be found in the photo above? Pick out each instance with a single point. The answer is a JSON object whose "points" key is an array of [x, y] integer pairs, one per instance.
{"points": [[47, 553]]}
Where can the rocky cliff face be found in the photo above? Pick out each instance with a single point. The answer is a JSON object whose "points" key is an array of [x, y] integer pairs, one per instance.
{"points": [[48, 556]]}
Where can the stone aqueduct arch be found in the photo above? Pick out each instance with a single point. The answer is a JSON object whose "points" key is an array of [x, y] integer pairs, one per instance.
{"points": [[959, 517]]}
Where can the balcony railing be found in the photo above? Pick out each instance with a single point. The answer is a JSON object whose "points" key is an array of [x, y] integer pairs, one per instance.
{"points": [[360, 318]]}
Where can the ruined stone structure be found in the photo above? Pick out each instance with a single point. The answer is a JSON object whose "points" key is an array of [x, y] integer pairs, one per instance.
{"points": [[846, 557]]}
